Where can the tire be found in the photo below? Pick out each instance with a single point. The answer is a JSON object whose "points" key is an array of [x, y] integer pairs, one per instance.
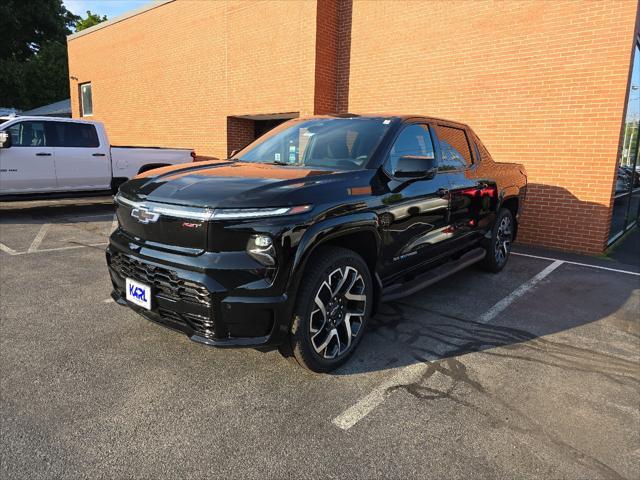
{"points": [[498, 247], [338, 280]]}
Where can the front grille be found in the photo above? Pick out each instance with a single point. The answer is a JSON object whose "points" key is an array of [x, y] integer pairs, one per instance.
{"points": [[165, 282], [200, 324]]}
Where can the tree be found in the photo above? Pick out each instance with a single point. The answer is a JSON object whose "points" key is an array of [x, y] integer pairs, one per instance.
{"points": [[33, 51], [90, 20]]}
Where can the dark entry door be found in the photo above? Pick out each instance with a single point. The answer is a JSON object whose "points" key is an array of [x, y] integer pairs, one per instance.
{"points": [[260, 127]]}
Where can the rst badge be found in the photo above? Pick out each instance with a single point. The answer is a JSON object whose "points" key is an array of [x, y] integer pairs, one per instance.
{"points": [[144, 215], [191, 225], [138, 293]]}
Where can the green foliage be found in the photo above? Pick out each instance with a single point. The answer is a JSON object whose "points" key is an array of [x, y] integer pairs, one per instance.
{"points": [[90, 20], [33, 51]]}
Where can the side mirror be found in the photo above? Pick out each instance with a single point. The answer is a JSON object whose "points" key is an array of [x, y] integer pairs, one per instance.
{"points": [[5, 139], [415, 166]]}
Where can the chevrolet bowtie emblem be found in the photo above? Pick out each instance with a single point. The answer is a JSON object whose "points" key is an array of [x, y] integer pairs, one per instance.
{"points": [[144, 215]]}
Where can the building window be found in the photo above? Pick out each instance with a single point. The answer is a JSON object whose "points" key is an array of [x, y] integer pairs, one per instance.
{"points": [[626, 203], [86, 100]]}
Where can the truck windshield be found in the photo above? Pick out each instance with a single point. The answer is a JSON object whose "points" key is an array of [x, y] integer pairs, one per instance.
{"points": [[340, 143]]}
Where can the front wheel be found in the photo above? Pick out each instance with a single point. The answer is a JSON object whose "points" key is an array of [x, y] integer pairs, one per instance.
{"points": [[498, 247], [332, 308]]}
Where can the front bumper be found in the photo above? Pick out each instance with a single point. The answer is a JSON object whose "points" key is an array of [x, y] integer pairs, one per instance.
{"points": [[190, 296]]}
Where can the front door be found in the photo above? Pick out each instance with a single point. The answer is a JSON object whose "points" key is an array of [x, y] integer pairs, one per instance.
{"points": [[415, 213], [28, 165]]}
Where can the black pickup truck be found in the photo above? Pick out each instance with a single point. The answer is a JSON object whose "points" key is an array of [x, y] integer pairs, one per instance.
{"points": [[294, 241]]}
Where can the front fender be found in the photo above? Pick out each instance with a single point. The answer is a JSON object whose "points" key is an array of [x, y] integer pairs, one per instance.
{"points": [[332, 228]]}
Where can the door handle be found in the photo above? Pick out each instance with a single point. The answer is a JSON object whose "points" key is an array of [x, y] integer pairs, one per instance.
{"points": [[99, 155], [43, 154], [442, 192]]}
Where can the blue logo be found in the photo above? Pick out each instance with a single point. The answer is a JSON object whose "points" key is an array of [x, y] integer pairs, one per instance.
{"points": [[137, 292]]}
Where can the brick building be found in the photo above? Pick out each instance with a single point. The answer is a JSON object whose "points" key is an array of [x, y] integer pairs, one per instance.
{"points": [[548, 84]]}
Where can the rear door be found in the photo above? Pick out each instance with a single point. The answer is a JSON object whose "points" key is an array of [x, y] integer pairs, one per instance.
{"points": [[82, 162], [470, 195], [28, 165]]}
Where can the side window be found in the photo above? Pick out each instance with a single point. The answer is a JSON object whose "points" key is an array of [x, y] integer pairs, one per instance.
{"points": [[76, 135], [86, 100], [28, 134], [454, 146], [413, 140]]}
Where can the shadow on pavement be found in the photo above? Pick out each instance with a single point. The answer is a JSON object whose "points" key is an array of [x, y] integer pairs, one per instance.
{"points": [[56, 211], [402, 334]]}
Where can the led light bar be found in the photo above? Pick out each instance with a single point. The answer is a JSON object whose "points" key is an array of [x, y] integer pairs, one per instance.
{"points": [[206, 214]]}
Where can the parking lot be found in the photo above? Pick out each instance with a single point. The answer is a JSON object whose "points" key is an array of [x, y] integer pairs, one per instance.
{"points": [[532, 373]]}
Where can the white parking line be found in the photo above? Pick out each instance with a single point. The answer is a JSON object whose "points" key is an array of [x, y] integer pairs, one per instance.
{"points": [[413, 373], [617, 270], [57, 249], [8, 250], [39, 237], [108, 300], [499, 307]]}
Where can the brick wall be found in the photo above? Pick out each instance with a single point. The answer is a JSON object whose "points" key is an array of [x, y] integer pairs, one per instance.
{"points": [[333, 32], [172, 75], [240, 132], [542, 83]]}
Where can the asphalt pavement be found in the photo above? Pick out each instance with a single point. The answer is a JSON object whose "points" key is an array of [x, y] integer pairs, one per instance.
{"points": [[531, 373]]}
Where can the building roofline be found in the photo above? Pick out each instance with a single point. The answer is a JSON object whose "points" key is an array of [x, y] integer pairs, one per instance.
{"points": [[153, 4]]}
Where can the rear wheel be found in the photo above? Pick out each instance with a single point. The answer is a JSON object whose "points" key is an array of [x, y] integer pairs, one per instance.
{"points": [[332, 308], [498, 247]]}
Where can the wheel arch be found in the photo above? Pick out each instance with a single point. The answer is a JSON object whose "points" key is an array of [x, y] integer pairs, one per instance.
{"points": [[357, 232], [512, 203]]}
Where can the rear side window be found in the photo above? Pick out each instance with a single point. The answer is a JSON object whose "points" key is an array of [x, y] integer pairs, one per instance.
{"points": [[29, 134], [76, 135], [482, 150], [414, 140], [454, 146]]}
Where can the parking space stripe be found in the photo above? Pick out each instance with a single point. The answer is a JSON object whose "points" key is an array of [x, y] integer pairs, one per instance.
{"points": [[8, 250], [499, 307], [57, 249], [414, 372], [39, 237], [369, 402], [617, 270]]}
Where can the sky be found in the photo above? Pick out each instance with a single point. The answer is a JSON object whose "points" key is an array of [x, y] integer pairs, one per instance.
{"points": [[633, 111], [110, 8]]}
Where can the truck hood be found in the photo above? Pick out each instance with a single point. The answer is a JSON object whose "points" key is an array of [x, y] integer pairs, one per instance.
{"points": [[236, 184]]}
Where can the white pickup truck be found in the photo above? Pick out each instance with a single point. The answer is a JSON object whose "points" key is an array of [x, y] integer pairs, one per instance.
{"points": [[50, 155]]}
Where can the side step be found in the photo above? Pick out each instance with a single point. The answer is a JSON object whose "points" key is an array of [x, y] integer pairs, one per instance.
{"points": [[400, 290]]}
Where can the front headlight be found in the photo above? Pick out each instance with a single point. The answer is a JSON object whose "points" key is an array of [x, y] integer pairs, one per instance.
{"points": [[242, 213], [260, 247]]}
